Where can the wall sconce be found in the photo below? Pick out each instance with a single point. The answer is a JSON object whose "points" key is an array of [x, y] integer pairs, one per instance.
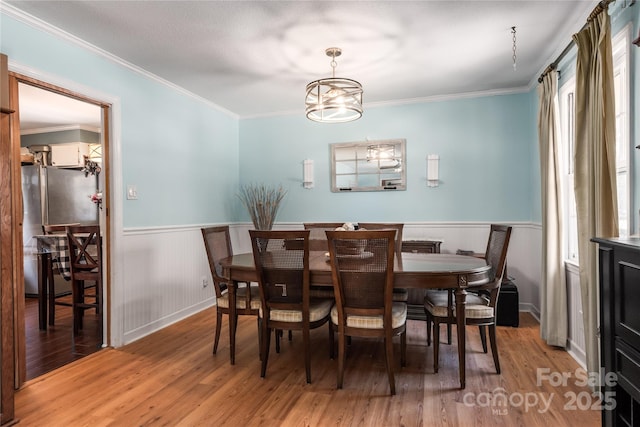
{"points": [[307, 174], [432, 170]]}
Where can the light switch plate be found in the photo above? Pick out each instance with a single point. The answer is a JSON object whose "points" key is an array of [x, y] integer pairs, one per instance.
{"points": [[132, 192]]}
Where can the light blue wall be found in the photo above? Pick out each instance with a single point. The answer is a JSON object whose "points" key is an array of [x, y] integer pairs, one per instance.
{"points": [[180, 152], [534, 159], [486, 147], [187, 158]]}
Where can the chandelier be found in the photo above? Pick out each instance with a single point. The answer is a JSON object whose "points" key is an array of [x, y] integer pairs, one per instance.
{"points": [[334, 100]]}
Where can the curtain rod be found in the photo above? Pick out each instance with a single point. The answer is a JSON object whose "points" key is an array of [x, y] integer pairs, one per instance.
{"points": [[602, 5]]}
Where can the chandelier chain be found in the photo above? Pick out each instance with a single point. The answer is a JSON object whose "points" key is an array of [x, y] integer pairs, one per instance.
{"points": [[514, 57]]}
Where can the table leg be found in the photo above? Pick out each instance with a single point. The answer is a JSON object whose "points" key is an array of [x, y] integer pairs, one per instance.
{"points": [[44, 258], [233, 285], [461, 302]]}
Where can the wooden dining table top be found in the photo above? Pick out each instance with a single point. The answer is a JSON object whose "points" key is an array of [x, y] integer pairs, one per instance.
{"points": [[411, 270]]}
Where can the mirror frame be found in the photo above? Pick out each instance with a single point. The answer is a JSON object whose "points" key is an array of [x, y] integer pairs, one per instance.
{"points": [[346, 159]]}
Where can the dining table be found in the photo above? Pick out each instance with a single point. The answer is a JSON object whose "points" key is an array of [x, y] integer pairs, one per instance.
{"points": [[53, 258], [411, 270]]}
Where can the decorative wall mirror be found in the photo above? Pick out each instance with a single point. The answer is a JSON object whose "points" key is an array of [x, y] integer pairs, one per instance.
{"points": [[368, 166]]}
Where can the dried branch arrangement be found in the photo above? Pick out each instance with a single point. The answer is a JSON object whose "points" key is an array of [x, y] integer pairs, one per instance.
{"points": [[262, 202]]}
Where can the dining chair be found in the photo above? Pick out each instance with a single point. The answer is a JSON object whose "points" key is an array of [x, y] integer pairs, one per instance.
{"points": [[317, 236], [318, 242], [281, 260], [217, 243], [85, 263], [398, 294], [53, 297], [480, 308], [362, 272]]}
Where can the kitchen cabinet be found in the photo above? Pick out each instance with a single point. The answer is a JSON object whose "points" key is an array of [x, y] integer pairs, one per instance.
{"points": [[619, 280], [69, 155]]}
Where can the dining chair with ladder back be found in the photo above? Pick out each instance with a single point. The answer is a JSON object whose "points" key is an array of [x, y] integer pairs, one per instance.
{"points": [[480, 308], [217, 243], [53, 296], [281, 260], [362, 265], [85, 263], [398, 294]]}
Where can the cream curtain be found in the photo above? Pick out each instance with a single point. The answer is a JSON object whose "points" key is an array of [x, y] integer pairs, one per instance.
{"points": [[595, 172], [553, 316]]}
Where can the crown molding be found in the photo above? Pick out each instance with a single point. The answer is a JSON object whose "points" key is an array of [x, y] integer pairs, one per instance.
{"points": [[39, 24]]}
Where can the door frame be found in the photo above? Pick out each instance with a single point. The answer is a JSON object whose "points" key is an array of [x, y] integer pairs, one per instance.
{"points": [[105, 218]]}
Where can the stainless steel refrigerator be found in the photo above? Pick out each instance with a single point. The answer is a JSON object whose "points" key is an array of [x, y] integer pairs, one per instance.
{"points": [[52, 196]]}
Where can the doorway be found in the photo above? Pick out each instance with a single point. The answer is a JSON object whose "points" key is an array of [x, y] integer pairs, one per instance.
{"points": [[50, 116]]}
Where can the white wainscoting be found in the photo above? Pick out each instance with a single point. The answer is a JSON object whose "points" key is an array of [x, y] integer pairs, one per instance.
{"points": [[523, 258], [576, 343], [163, 272], [162, 269]]}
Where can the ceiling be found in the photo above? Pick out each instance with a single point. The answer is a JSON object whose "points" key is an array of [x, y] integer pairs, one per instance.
{"points": [[254, 58]]}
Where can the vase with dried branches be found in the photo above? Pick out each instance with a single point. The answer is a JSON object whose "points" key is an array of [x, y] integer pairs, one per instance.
{"points": [[262, 201]]}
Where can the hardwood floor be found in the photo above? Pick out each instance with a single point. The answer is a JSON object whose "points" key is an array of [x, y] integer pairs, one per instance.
{"points": [[171, 378], [55, 347]]}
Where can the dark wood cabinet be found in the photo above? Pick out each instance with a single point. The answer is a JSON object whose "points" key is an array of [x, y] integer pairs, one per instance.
{"points": [[619, 262], [415, 299]]}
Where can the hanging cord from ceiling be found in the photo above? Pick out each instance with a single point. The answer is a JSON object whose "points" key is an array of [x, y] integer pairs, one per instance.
{"points": [[514, 57]]}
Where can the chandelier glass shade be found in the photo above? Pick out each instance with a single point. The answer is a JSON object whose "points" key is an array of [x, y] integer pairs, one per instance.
{"points": [[334, 99]]}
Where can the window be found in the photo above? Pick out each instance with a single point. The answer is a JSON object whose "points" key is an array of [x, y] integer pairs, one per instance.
{"points": [[567, 141], [620, 46]]}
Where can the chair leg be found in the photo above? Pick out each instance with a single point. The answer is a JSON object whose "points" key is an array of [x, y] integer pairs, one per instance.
{"points": [[98, 291], [51, 294], [278, 334], [218, 328], [341, 358], [429, 322], [483, 337], [449, 333], [77, 298], [290, 335], [99, 310], [259, 337], [388, 344], [494, 347], [331, 343], [307, 352], [403, 349], [436, 344], [266, 343]]}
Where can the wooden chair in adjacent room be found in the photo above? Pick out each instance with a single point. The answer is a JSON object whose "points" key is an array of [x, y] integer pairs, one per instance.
{"points": [[85, 262], [281, 259], [480, 306], [217, 243], [363, 286], [53, 298], [398, 294]]}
